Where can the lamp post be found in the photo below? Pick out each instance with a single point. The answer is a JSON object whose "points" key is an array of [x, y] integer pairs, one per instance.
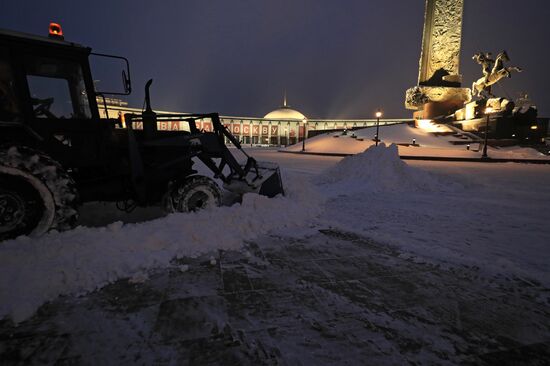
{"points": [[488, 112], [378, 115], [304, 121]]}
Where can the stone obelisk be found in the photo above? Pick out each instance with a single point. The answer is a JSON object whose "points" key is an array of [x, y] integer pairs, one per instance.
{"points": [[439, 91]]}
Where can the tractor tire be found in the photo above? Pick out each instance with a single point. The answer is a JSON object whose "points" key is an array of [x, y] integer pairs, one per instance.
{"points": [[36, 194], [195, 193]]}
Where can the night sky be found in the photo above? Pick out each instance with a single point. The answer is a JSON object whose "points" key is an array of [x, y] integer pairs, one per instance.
{"points": [[336, 59]]}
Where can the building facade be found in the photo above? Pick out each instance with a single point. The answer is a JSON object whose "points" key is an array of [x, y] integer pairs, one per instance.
{"points": [[281, 127]]}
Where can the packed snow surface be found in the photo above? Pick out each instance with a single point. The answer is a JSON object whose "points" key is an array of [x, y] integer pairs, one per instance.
{"points": [[489, 215], [33, 271]]}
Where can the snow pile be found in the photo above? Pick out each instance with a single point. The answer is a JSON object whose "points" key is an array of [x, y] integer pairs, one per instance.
{"points": [[379, 168], [33, 271]]}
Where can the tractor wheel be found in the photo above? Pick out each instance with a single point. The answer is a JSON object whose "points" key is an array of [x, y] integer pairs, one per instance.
{"points": [[36, 194], [193, 194]]}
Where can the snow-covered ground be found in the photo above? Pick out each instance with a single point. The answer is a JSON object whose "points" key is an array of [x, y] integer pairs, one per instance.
{"points": [[35, 270], [493, 216], [427, 140]]}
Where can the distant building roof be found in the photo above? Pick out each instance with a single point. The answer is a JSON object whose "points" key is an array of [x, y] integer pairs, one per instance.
{"points": [[285, 112]]}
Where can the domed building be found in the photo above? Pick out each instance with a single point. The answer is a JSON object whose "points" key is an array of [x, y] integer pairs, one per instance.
{"points": [[285, 112], [288, 123]]}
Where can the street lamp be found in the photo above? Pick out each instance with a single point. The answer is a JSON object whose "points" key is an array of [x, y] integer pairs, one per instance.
{"points": [[304, 121], [378, 115], [488, 112]]}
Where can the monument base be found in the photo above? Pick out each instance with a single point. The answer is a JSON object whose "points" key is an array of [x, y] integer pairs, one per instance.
{"points": [[430, 102], [436, 110]]}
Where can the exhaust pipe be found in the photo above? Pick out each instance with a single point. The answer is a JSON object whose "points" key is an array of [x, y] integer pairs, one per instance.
{"points": [[149, 117]]}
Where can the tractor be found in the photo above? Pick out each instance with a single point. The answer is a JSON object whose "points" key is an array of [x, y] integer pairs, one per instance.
{"points": [[57, 152]]}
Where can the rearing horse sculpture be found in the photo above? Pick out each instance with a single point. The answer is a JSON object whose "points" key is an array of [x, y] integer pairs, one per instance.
{"points": [[492, 75]]}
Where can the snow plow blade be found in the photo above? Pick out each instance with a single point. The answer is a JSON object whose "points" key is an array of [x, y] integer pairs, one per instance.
{"points": [[272, 184], [264, 179]]}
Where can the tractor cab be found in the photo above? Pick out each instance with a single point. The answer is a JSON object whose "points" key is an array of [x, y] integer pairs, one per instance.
{"points": [[46, 88]]}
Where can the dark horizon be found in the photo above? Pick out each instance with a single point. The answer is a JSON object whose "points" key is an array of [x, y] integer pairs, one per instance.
{"points": [[334, 60]]}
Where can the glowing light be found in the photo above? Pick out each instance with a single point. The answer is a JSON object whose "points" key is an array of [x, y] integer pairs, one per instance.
{"points": [[378, 114], [55, 31], [429, 125], [425, 124], [534, 127], [489, 110]]}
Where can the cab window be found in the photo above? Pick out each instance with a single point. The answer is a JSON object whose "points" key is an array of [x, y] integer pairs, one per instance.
{"points": [[9, 107], [57, 89]]}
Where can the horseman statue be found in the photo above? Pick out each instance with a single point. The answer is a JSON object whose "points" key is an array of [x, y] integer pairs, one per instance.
{"points": [[493, 72]]}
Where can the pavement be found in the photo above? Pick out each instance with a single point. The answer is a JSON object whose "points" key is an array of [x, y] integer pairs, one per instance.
{"points": [[326, 298]]}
